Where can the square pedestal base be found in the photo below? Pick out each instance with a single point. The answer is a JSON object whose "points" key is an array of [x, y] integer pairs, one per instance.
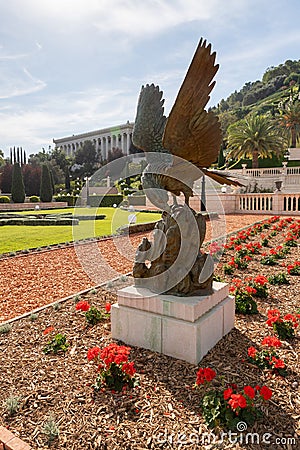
{"points": [[182, 327]]}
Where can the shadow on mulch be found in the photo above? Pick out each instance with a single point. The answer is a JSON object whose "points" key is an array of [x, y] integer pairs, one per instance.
{"points": [[178, 378]]}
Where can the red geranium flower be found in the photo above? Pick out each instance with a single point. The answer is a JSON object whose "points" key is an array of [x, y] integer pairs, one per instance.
{"points": [[92, 353], [48, 330], [83, 306], [265, 392], [227, 393], [271, 341], [237, 400], [249, 391], [252, 352]]}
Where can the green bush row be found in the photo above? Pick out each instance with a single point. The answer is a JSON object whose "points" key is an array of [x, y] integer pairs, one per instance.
{"points": [[105, 201], [4, 199], [38, 222]]}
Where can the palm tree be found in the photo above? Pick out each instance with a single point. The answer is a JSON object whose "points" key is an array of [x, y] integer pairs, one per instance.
{"points": [[253, 137], [290, 119]]}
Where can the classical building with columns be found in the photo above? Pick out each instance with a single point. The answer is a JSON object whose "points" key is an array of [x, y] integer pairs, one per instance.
{"points": [[104, 140]]}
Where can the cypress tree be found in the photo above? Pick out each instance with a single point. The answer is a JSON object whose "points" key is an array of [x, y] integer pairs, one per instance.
{"points": [[46, 191], [17, 186], [67, 180], [221, 159]]}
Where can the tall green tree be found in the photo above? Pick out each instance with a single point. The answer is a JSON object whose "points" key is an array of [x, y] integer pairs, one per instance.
{"points": [[290, 120], [86, 157], [2, 160], [17, 187], [46, 190], [255, 137]]}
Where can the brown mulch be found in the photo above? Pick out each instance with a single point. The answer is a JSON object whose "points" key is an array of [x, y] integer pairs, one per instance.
{"points": [[164, 407], [36, 279]]}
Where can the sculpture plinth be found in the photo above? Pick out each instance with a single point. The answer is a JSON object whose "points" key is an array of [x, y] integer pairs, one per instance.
{"points": [[184, 328]]}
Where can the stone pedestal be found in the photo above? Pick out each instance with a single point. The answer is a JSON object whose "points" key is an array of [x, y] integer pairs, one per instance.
{"points": [[182, 327]]}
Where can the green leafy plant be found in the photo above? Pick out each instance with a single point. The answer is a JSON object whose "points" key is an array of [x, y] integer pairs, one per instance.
{"points": [[57, 344], [33, 316], [225, 406], [278, 279], [244, 302], [228, 269], [284, 326], [114, 370], [12, 404], [267, 358], [51, 430], [294, 269], [268, 260], [259, 283], [5, 328], [92, 314]]}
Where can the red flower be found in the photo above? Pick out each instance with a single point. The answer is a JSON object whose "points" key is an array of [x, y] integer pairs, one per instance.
{"points": [[129, 368], [249, 391], [260, 279], [250, 290], [252, 352], [48, 330], [205, 374], [83, 306], [227, 393], [107, 307], [237, 400], [271, 341], [92, 353], [278, 363], [265, 392]]}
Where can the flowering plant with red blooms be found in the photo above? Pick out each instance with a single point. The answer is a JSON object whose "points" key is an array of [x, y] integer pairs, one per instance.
{"points": [[226, 407], [259, 283], [267, 358], [215, 250], [48, 330], [114, 369], [83, 306], [244, 302], [205, 375], [294, 269], [92, 314], [284, 326]]}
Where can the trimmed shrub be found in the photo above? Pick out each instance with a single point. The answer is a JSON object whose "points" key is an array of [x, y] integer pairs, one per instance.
{"points": [[4, 199], [17, 185], [70, 199], [46, 191], [105, 200], [34, 199]]}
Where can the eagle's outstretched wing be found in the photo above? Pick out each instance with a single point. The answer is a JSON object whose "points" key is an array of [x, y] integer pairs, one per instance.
{"points": [[191, 132], [150, 120]]}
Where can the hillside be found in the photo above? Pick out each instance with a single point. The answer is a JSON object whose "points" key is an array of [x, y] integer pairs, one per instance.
{"points": [[278, 85]]}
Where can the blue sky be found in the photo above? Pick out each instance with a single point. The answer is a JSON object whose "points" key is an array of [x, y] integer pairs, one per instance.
{"points": [[72, 66]]}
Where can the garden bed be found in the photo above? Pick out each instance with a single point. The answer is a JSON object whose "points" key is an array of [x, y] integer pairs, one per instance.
{"points": [[165, 406]]}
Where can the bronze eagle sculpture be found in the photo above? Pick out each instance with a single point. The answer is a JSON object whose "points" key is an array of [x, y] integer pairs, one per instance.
{"points": [[179, 149]]}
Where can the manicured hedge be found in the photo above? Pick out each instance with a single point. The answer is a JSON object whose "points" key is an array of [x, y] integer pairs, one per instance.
{"points": [[38, 222], [105, 200], [70, 199], [4, 199]]}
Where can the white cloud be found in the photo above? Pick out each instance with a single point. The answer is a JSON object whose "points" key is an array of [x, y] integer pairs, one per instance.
{"points": [[17, 82]]}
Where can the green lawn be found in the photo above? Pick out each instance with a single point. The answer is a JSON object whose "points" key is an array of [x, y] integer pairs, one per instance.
{"points": [[13, 238]]}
